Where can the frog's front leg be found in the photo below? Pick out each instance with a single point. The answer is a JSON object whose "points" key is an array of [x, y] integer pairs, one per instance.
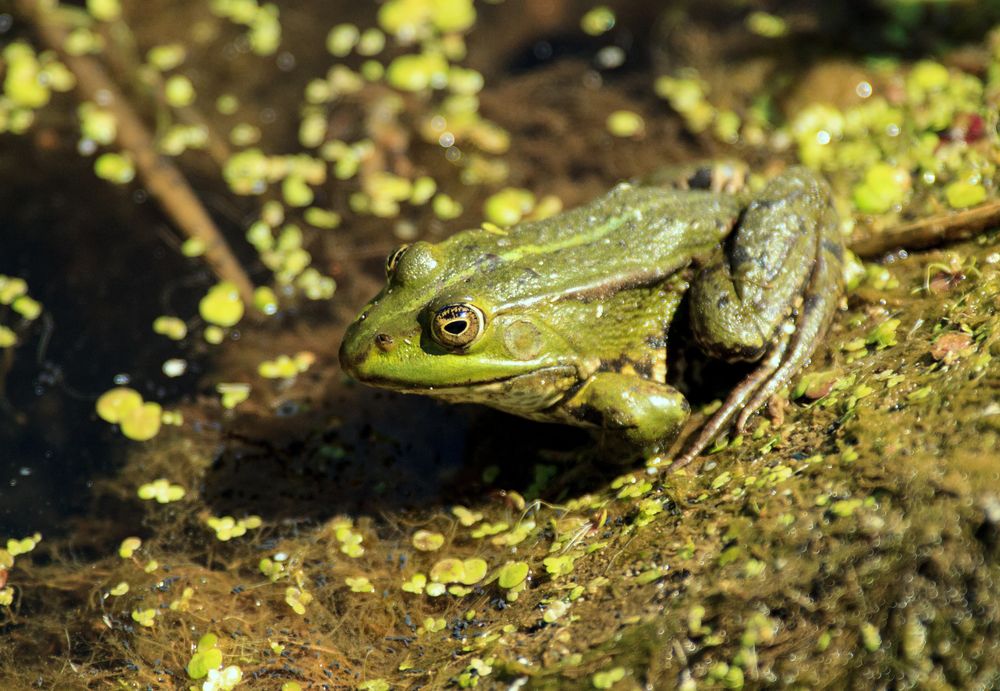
{"points": [[647, 412], [771, 295]]}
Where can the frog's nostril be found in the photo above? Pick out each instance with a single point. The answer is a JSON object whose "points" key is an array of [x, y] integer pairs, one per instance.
{"points": [[384, 342]]}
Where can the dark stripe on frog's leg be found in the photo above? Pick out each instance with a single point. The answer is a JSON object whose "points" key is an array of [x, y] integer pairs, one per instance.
{"points": [[647, 412], [818, 308]]}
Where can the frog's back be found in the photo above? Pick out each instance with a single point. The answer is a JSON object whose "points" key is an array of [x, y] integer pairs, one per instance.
{"points": [[630, 236]]}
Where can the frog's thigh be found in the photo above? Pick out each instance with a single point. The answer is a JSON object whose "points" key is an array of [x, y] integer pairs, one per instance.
{"points": [[739, 301], [646, 411]]}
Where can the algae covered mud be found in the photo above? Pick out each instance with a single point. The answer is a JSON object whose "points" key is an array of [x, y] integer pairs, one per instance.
{"points": [[224, 509]]}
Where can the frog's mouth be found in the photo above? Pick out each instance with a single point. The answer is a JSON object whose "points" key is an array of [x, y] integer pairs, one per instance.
{"points": [[518, 393]]}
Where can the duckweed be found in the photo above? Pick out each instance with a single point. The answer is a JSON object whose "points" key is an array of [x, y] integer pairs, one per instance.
{"points": [[129, 547], [415, 584], [371, 42], [409, 20], [884, 187], [625, 123], [286, 367], [508, 206], [418, 72], [222, 305], [179, 91], [141, 423], [23, 83], [427, 541], [97, 124], [871, 638], [207, 656], [359, 584], [227, 527], [512, 574], [104, 10], [598, 20], [962, 194], [167, 56], [223, 679], [115, 167], [341, 39], [17, 547], [297, 599], [144, 617], [766, 24], [173, 328], [883, 335], [558, 566], [113, 404], [162, 490], [232, 393], [445, 207], [608, 678]]}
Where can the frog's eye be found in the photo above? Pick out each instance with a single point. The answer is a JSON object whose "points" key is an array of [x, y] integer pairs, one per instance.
{"points": [[393, 259], [457, 326]]}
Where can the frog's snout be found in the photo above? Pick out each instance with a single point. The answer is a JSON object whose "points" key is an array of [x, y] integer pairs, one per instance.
{"points": [[353, 352]]}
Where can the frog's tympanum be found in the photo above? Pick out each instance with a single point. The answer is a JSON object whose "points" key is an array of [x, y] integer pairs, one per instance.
{"points": [[565, 319]]}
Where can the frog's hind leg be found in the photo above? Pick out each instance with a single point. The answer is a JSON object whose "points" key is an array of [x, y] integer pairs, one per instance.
{"points": [[772, 297]]}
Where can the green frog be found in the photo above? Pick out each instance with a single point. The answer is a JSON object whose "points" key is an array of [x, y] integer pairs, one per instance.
{"points": [[565, 319]]}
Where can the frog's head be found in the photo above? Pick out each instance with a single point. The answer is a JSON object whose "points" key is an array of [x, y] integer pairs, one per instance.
{"points": [[427, 331]]}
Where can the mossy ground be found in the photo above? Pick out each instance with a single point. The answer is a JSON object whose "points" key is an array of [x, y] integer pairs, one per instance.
{"points": [[852, 538]]}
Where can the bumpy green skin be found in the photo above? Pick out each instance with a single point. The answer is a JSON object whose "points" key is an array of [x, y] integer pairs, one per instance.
{"points": [[576, 307]]}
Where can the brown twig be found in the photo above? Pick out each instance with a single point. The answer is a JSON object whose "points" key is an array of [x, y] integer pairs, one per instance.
{"points": [[160, 176], [949, 227]]}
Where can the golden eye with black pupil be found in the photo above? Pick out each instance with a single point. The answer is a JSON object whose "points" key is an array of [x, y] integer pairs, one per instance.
{"points": [[457, 326], [393, 259]]}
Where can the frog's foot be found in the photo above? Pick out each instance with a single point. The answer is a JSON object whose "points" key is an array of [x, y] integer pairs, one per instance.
{"points": [[727, 176], [646, 411], [735, 403]]}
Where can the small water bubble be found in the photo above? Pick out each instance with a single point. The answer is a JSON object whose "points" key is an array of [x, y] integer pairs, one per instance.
{"points": [[121, 379], [610, 57], [592, 80], [446, 139], [6, 21], [24, 471], [863, 89], [542, 50], [823, 137], [453, 153], [286, 62]]}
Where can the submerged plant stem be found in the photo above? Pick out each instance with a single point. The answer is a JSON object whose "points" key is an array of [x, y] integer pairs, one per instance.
{"points": [[159, 175], [933, 230]]}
